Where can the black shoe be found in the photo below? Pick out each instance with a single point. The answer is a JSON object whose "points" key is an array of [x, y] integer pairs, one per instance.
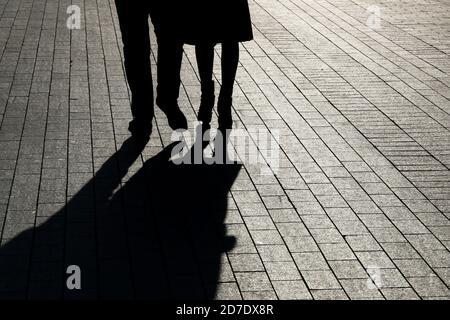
{"points": [[140, 130], [176, 118]]}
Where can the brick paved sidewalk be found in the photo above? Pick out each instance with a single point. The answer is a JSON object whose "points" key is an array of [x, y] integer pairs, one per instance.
{"points": [[358, 208]]}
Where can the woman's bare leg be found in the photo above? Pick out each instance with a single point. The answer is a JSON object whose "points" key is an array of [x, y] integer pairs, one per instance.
{"points": [[204, 53]]}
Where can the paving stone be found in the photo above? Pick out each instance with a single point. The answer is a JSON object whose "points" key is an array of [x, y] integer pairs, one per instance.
{"points": [[385, 200], [361, 207], [270, 190], [360, 289], [308, 208], [284, 215], [341, 214], [300, 195], [310, 261], [377, 259], [410, 226], [376, 188], [375, 220], [253, 209], [391, 278], [424, 242], [386, 235], [259, 295], [317, 222], [441, 232], [430, 286], [413, 267], [348, 269], [277, 202], [327, 235], [227, 291], [401, 250], [282, 271], [292, 290], [363, 243], [399, 294], [297, 229], [351, 227], [233, 217], [301, 244], [266, 237], [336, 251], [274, 253], [444, 274], [334, 294], [354, 194], [320, 279], [332, 201], [436, 258], [259, 223], [398, 213], [245, 262], [253, 281]]}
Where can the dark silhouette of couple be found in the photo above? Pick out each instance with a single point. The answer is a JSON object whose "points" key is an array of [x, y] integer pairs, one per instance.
{"points": [[203, 23]]}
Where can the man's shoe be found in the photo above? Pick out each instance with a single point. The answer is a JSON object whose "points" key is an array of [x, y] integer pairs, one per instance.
{"points": [[176, 118], [139, 129]]}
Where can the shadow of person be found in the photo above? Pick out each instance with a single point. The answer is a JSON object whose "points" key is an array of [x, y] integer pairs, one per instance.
{"points": [[159, 235]]}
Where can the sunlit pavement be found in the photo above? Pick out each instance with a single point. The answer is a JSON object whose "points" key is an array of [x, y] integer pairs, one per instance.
{"points": [[356, 205]]}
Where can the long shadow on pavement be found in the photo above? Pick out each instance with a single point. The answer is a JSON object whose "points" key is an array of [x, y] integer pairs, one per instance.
{"points": [[161, 235]]}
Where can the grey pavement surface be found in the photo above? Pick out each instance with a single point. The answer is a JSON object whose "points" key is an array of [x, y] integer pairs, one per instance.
{"points": [[357, 94]]}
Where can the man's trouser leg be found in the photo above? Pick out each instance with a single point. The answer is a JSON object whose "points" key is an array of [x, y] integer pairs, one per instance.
{"points": [[133, 19], [170, 56]]}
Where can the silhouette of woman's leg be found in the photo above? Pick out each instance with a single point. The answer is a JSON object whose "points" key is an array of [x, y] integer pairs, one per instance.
{"points": [[205, 60], [230, 60], [133, 20]]}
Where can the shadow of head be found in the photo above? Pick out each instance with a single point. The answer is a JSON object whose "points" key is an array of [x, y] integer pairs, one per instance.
{"points": [[159, 234]]}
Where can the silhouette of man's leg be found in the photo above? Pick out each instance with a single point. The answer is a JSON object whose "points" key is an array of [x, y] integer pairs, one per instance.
{"points": [[133, 19], [170, 56]]}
